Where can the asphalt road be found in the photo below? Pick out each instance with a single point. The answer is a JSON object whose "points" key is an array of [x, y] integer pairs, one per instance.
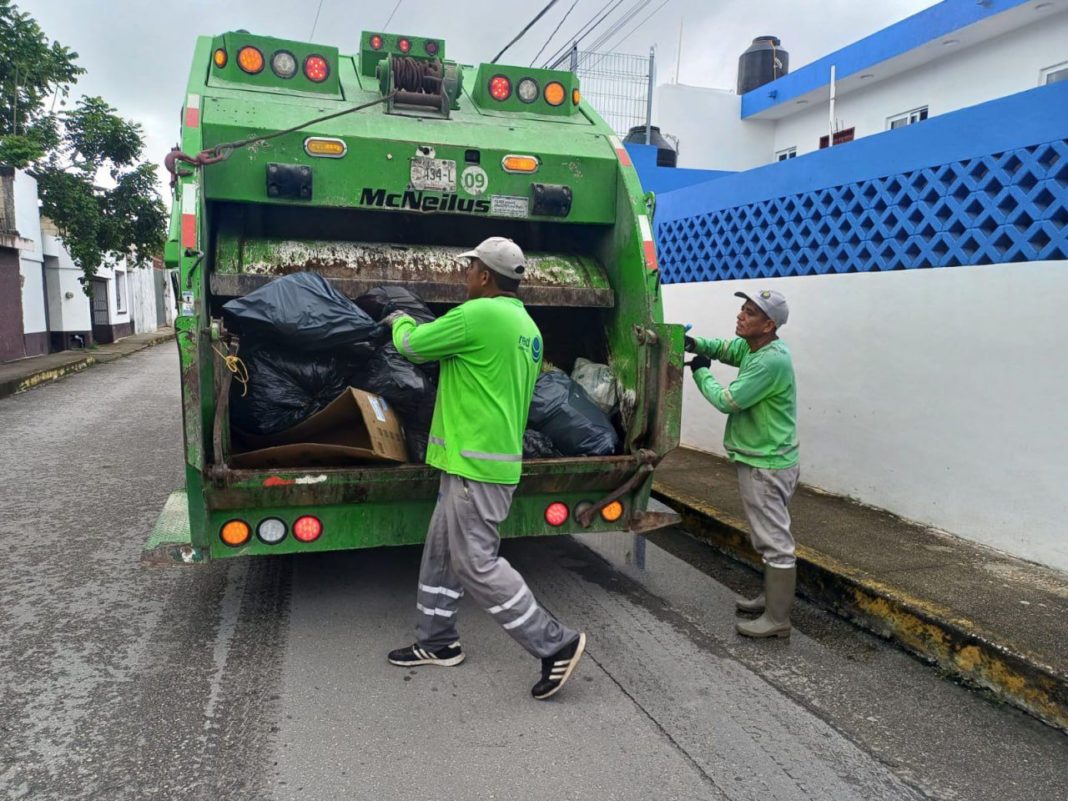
{"points": [[266, 679]]}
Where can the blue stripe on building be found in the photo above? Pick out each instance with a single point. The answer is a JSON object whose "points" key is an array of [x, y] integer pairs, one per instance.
{"points": [[983, 185]]}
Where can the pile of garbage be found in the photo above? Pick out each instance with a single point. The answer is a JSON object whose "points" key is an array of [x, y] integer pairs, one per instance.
{"points": [[303, 343]]}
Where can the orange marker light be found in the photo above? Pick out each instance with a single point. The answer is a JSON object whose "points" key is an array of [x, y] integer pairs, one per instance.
{"points": [[325, 147], [612, 512], [250, 60], [220, 58], [555, 93], [520, 163], [235, 533], [576, 96]]}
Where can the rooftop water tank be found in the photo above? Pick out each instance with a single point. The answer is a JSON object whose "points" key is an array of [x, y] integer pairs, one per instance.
{"points": [[762, 63], [666, 155]]}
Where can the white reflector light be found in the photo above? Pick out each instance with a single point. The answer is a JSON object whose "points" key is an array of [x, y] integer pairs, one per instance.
{"points": [[272, 530], [284, 64], [527, 90]]}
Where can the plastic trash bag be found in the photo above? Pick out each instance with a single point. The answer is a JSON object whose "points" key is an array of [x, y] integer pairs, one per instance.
{"points": [[385, 300], [284, 387], [563, 411], [301, 310], [538, 446], [599, 383], [407, 388]]}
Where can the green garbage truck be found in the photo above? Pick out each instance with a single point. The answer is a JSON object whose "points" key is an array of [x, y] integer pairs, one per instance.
{"points": [[378, 169]]}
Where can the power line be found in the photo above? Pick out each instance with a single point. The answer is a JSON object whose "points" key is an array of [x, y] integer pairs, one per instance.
{"points": [[583, 30], [391, 13], [591, 26], [652, 14], [530, 25], [316, 23], [556, 30], [618, 24]]}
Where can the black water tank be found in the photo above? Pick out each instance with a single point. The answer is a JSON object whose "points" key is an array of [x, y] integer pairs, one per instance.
{"points": [[665, 151], [762, 63]]}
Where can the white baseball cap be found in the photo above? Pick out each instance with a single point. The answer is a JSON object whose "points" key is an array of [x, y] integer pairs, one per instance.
{"points": [[501, 255], [772, 303]]}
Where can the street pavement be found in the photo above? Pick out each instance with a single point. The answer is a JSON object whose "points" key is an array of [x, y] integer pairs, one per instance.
{"points": [[266, 679]]}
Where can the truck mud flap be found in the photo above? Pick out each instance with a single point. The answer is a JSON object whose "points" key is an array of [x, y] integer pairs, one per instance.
{"points": [[171, 542]]}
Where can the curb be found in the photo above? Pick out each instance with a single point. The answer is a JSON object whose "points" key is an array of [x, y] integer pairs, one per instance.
{"points": [[23, 383], [931, 632]]}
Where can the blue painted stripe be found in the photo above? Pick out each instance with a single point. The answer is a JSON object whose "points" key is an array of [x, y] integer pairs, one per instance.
{"points": [[984, 185], [928, 25]]}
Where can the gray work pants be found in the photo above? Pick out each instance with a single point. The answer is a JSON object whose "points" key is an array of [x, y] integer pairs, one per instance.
{"points": [[766, 495], [461, 554]]}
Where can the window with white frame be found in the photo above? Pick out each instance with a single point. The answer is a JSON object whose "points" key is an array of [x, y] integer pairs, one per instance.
{"points": [[908, 118], [1058, 72], [789, 153], [120, 291]]}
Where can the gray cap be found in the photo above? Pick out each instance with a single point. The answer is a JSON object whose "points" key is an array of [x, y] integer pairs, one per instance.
{"points": [[772, 303], [501, 255]]}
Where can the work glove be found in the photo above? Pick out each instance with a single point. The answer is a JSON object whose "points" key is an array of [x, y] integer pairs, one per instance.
{"points": [[392, 317], [689, 344], [697, 362]]}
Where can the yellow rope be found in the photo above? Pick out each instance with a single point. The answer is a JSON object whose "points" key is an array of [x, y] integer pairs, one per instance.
{"points": [[237, 367]]}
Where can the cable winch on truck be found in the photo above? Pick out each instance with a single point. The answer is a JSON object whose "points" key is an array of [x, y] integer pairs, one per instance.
{"points": [[370, 174]]}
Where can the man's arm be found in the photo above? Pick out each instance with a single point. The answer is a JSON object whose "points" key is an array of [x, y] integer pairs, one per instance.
{"points": [[753, 385], [728, 351], [430, 342]]}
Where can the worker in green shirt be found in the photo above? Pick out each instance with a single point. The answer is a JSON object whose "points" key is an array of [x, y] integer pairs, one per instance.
{"points": [[761, 439], [490, 353]]}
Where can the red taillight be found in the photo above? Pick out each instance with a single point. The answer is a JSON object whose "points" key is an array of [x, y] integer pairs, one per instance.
{"points": [[376, 42], [500, 87], [316, 68], [307, 528], [404, 45], [431, 48], [556, 513]]}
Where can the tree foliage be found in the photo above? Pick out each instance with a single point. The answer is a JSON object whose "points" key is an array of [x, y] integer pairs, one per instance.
{"points": [[70, 151]]}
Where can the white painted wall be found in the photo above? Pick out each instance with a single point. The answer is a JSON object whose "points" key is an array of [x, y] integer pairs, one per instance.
{"points": [[65, 313], [936, 394], [28, 223], [107, 272], [999, 67], [711, 133]]}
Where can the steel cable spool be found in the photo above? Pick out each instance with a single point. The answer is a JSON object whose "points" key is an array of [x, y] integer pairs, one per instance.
{"points": [[414, 75]]}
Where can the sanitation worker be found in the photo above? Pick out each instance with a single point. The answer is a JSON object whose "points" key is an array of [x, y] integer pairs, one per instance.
{"points": [[761, 439], [490, 353]]}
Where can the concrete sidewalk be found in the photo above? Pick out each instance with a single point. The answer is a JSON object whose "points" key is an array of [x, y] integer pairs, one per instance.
{"points": [[23, 374], [984, 617]]}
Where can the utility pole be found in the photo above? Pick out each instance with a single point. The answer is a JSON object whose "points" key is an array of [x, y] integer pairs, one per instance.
{"points": [[678, 52], [649, 98]]}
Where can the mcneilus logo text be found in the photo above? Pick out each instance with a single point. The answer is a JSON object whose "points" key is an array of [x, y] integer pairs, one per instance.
{"points": [[422, 201]]}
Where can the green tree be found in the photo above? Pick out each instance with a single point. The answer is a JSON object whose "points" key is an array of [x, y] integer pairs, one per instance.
{"points": [[66, 151]]}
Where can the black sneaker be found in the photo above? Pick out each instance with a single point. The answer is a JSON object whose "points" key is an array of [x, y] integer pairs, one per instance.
{"points": [[417, 655], [557, 669]]}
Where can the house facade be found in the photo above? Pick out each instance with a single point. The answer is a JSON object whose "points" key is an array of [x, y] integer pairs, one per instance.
{"points": [[924, 256]]}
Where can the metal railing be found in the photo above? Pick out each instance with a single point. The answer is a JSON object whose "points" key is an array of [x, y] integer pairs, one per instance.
{"points": [[618, 85]]}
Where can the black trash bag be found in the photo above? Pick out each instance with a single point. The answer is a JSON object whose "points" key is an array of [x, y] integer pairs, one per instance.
{"points": [[538, 446], [285, 387], [563, 411], [301, 310], [385, 300], [407, 388]]}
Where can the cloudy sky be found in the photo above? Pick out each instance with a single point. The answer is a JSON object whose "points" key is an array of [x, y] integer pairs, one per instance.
{"points": [[138, 53]]}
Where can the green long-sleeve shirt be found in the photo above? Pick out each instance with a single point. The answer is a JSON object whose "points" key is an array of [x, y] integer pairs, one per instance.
{"points": [[490, 353], [760, 404]]}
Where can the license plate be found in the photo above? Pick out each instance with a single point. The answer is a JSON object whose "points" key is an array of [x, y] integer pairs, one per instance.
{"points": [[439, 174]]}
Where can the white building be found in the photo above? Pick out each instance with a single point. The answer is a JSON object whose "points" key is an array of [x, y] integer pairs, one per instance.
{"points": [[43, 306], [926, 264]]}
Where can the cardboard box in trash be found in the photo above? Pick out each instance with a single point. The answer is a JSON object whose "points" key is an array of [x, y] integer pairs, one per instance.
{"points": [[355, 428]]}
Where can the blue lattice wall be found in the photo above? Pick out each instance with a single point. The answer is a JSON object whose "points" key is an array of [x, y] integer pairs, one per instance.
{"points": [[1006, 206]]}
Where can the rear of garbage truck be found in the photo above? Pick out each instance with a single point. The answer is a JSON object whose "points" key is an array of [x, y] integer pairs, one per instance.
{"points": [[376, 170]]}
